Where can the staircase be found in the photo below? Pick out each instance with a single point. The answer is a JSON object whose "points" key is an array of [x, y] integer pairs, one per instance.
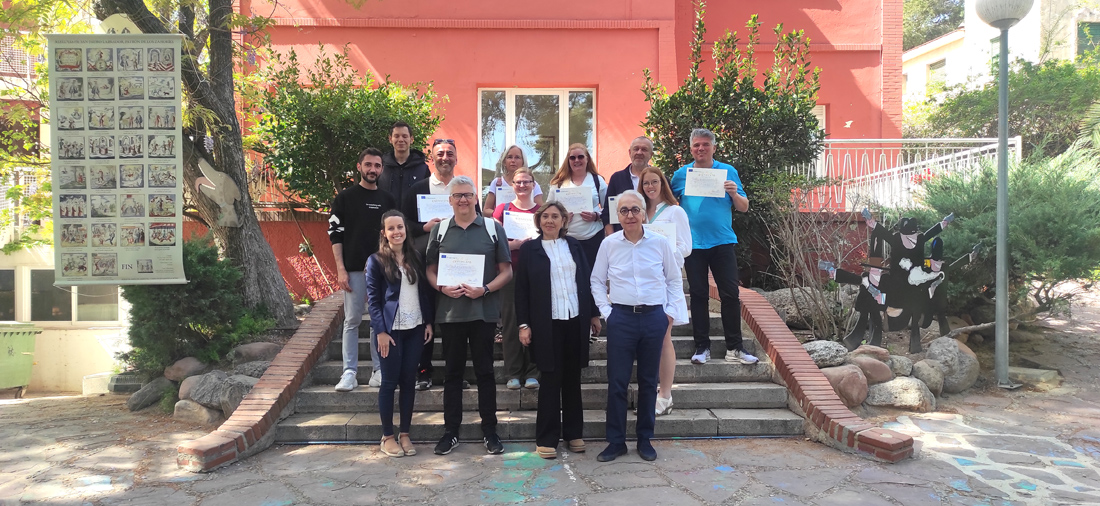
{"points": [[711, 400]]}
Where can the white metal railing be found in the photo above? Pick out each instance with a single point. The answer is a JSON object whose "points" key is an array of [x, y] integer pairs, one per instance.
{"points": [[887, 172]]}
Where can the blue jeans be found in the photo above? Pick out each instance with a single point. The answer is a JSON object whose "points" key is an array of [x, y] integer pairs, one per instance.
{"points": [[721, 261], [633, 336], [354, 302], [399, 370]]}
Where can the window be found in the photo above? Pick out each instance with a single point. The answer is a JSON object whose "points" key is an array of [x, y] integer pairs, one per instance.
{"points": [[904, 84], [14, 61], [49, 303], [97, 303], [542, 122], [937, 75], [7, 295], [995, 50], [1088, 37]]}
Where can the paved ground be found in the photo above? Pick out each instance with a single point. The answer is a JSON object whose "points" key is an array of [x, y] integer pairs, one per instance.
{"points": [[986, 447]]}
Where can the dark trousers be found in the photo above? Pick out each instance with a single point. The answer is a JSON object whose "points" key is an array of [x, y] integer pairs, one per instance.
{"points": [[722, 262], [633, 336], [591, 246], [479, 335], [518, 363], [399, 370], [425, 367], [560, 415]]}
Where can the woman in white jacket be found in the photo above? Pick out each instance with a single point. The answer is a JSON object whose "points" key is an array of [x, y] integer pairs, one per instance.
{"points": [[665, 213]]}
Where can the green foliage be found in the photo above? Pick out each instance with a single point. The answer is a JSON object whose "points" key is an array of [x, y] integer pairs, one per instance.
{"points": [[1047, 103], [314, 122], [924, 20], [763, 121], [204, 318], [1054, 226], [168, 399]]}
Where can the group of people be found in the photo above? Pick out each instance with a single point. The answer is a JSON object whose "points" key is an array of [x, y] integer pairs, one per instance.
{"points": [[549, 293]]}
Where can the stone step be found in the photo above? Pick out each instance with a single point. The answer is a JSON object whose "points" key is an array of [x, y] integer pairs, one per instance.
{"points": [[323, 399], [715, 371], [427, 427], [684, 345], [677, 330]]}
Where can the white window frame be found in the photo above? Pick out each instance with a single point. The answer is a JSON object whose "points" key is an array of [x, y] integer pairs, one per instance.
{"points": [[23, 303], [510, 120]]}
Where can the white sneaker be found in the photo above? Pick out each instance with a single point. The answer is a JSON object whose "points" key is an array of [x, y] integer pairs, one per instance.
{"points": [[701, 356], [664, 406], [740, 357], [375, 379], [347, 382]]}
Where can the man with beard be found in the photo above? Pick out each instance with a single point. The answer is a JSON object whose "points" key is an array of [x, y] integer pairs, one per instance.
{"points": [[353, 231], [402, 167]]}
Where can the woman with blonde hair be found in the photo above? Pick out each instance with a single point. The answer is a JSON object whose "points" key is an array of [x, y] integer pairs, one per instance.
{"points": [[519, 367], [662, 208], [512, 159], [578, 170]]}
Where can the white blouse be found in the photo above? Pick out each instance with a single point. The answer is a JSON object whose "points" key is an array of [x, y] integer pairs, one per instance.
{"points": [[408, 305], [578, 228], [679, 217], [564, 303]]}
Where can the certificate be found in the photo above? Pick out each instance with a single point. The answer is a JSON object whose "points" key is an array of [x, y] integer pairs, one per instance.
{"points": [[612, 209], [456, 269], [429, 207], [705, 182], [519, 225], [505, 194], [665, 228], [575, 200]]}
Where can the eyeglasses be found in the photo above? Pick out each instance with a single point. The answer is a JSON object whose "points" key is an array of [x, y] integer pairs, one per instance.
{"points": [[461, 196], [576, 157], [441, 141], [522, 183], [651, 183], [626, 211]]}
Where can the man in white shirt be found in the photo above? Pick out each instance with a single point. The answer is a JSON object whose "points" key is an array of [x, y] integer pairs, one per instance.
{"points": [[645, 297]]}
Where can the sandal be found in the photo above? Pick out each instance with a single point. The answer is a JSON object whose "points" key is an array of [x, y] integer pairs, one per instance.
{"points": [[406, 444], [390, 447]]}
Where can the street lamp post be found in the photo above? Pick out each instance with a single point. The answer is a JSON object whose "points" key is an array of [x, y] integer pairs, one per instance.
{"points": [[1002, 14]]}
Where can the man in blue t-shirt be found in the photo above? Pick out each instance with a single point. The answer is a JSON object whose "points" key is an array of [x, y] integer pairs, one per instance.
{"points": [[713, 248]]}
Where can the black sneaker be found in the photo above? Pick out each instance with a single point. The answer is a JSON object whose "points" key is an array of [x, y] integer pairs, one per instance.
{"points": [[446, 445], [424, 383], [465, 385], [493, 444]]}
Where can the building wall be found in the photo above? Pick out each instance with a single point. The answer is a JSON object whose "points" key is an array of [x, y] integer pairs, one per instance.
{"points": [[916, 72]]}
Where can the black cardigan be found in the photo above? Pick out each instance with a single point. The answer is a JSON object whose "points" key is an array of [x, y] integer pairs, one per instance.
{"points": [[534, 307]]}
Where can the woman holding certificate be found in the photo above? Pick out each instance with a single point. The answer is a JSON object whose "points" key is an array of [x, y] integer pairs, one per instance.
{"points": [[556, 312], [665, 216], [512, 159], [401, 305], [580, 188], [515, 216]]}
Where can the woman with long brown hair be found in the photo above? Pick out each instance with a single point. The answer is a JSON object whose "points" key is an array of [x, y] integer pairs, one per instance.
{"points": [[578, 170]]}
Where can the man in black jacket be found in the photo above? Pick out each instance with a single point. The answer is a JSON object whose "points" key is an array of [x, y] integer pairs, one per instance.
{"points": [[641, 151], [402, 167]]}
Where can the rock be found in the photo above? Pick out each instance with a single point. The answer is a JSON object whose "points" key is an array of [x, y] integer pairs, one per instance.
{"points": [[955, 323], [186, 386], [208, 390], [964, 375], [984, 313], [848, 382], [905, 393], [149, 394], [875, 370], [1034, 377], [125, 383], [946, 351], [252, 352], [966, 349], [876, 352], [901, 366], [191, 411], [254, 368], [931, 373], [787, 302], [184, 368], [975, 340], [826, 353], [233, 391], [247, 380]]}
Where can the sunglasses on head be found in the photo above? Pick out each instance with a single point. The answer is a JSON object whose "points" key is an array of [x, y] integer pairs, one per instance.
{"points": [[441, 141]]}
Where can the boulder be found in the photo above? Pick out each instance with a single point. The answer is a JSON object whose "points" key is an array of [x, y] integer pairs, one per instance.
{"points": [[904, 393], [184, 368], [207, 391], [984, 313], [255, 368], [186, 386], [787, 302], [252, 352], [975, 340], [931, 373], [945, 350], [826, 353], [233, 391], [247, 380], [964, 375], [191, 411], [149, 394], [876, 352], [955, 323], [875, 370], [966, 349], [901, 366], [848, 382]]}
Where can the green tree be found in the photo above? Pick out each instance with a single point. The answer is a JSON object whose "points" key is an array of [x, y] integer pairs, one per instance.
{"points": [[312, 127], [924, 20], [764, 123]]}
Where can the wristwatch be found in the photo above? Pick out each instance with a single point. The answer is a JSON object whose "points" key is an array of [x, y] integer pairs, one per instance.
{"points": [[486, 288], [524, 326]]}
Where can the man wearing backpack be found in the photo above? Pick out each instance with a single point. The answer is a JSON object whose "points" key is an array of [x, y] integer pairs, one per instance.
{"points": [[468, 312]]}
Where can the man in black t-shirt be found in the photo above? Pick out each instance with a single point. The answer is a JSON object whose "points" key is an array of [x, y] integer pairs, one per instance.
{"points": [[353, 231]]}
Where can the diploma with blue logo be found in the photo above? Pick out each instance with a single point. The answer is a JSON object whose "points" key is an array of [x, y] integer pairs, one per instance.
{"points": [[429, 207], [456, 269], [576, 199], [613, 209], [705, 182], [665, 228], [519, 225]]}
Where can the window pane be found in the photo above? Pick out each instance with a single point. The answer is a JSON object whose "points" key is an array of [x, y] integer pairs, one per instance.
{"points": [[581, 113], [537, 134], [1088, 37], [492, 133], [7, 295], [49, 303], [97, 303]]}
